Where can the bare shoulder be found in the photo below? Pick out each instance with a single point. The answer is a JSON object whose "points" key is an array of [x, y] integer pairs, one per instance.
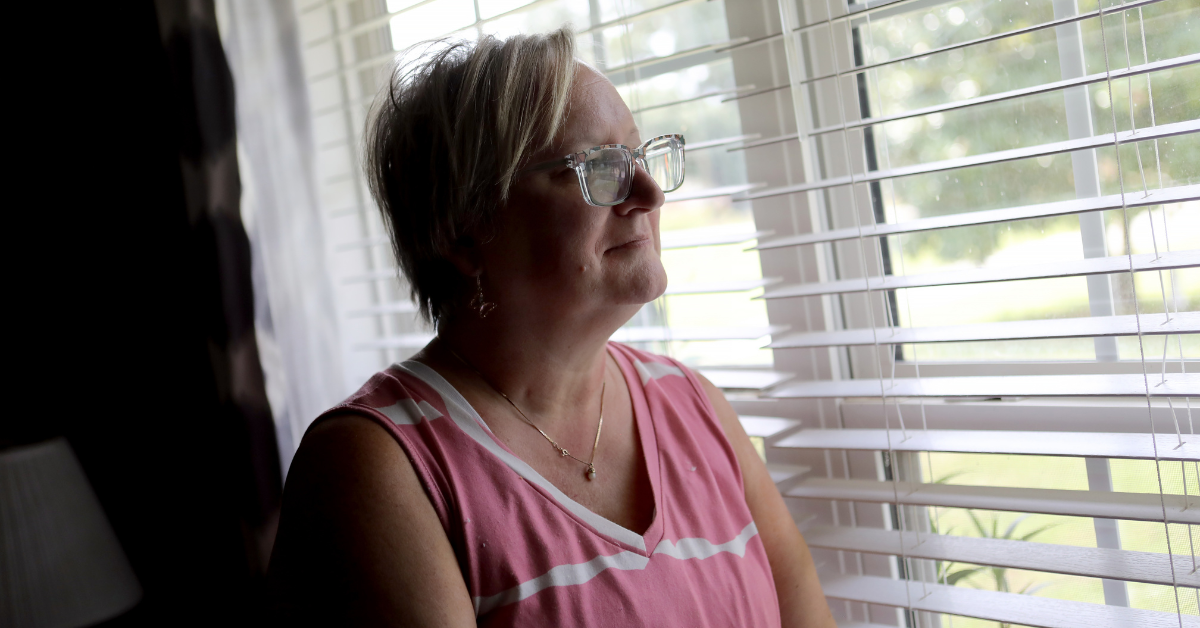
{"points": [[359, 542], [343, 449], [345, 465]]}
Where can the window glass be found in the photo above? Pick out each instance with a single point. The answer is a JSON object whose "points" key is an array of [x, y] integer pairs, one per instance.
{"points": [[1009, 63]]}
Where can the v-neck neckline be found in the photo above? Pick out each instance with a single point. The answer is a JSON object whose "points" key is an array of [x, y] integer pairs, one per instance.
{"points": [[468, 419]]}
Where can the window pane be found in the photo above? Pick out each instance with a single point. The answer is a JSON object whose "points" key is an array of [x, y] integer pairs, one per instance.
{"points": [[999, 66]]}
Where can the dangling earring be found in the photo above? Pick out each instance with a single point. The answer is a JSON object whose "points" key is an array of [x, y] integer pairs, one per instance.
{"points": [[481, 306]]}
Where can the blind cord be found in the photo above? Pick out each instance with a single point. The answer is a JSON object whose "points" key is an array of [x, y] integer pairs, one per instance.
{"points": [[892, 462], [1137, 313]]}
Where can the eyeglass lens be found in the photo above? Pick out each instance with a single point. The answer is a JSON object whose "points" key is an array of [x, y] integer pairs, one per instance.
{"points": [[609, 176], [607, 173], [664, 162]]}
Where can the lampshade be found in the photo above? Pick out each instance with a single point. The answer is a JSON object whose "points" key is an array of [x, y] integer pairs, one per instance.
{"points": [[60, 562]]}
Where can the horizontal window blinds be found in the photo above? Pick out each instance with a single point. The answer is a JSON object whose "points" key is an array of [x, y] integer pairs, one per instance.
{"points": [[984, 219]]}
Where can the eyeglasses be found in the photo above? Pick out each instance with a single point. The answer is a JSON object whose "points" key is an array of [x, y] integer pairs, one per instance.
{"points": [[606, 172]]}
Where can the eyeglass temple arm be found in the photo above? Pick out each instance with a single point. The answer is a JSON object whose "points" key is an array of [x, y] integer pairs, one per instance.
{"points": [[546, 165]]}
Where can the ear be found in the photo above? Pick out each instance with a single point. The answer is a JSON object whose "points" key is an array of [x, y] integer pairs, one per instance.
{"points": [[466, 256]]}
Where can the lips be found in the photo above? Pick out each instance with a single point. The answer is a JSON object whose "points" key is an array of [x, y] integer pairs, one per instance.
{"points": [[636, 242]]}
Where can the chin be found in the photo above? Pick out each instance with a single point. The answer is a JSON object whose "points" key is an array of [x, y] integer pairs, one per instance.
{"points": [[647, 284]]}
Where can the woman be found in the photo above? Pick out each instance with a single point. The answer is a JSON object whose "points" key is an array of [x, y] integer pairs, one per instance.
{"points": [[521, 469]]}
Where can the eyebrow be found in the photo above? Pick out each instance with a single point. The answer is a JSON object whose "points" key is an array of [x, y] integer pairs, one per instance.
{"points": [[592, 141], [551, 163]]}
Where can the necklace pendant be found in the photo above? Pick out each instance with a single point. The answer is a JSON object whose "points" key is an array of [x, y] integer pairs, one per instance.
{"points": [[563, 452], [591, 473]]}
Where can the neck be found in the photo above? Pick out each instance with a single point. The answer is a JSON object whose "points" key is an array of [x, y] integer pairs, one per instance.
{"points": [[550, 368]]}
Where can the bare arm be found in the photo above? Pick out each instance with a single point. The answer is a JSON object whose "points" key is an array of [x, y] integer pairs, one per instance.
{"points": [[801, 602], [359, 543]]}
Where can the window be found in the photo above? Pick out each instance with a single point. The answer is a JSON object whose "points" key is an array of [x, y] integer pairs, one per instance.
{"points": [[991, 298]]}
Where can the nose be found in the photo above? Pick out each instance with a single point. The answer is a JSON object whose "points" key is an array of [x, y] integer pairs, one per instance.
{"points": [[644, 194]]}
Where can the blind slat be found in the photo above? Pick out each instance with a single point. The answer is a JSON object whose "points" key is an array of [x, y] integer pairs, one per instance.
{"points": [[665, 334], [724, 141], [1088, 327], [1176, 194], [1089, 562], [767, 427], [1108, 505], [1106, 385], [716, 287], [766, 142], [759, 92], [709, 237], [744, 379], [682, 53], [1014, 608], [1075, 268], [725, 379], [1040, 150], [725, 190], [1087, 444], [720, 92]]}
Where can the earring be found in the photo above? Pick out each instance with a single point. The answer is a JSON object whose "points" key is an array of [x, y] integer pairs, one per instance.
{"points": [[481, 306]]}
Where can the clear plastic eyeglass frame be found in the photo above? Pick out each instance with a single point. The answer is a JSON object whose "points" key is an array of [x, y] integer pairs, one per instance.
{"points": [[606, 172]]}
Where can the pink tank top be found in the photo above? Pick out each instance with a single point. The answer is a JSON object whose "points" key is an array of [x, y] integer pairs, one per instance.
{"points": [[531, 556]]}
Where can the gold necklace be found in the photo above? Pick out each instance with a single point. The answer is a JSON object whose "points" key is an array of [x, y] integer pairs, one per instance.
{"points": [[562, 451]]}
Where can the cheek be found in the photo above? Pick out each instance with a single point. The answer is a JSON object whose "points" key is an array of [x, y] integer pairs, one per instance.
{"points": [[573, 245], [559, 232]]}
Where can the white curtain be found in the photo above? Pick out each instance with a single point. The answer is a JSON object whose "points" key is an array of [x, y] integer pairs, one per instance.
{"points": [[295, 315]]}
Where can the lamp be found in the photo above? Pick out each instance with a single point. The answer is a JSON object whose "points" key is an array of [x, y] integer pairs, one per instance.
{"points": [[60, 562]]}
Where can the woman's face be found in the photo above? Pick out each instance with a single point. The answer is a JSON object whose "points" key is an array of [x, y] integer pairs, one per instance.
{"points": [[554, 250]]}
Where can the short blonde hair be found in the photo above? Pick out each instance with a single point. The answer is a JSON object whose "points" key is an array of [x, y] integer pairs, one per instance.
{"points": [[445, 141]]}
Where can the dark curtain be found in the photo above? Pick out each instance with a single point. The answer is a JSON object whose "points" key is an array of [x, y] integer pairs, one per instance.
{"points": [[136, 330]]}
